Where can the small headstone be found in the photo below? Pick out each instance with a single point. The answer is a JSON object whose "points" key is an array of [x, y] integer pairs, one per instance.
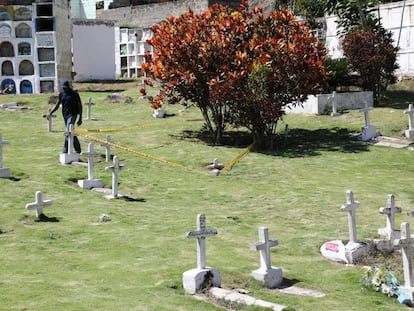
{"points": [[67, 158], [410, 111], [201, 277], [90, 182], [4, 171], [115, 169], [39, 204], [406, 243], [334, 250], [368, 131], [353, 249]]}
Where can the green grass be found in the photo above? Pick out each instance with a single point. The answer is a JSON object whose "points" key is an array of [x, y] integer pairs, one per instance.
{"points": [[136, 261]]}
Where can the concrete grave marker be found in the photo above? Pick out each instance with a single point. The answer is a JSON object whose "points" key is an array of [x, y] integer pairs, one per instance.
{"points": [[368, 131], [389, 211], [49, 121], [107, 147], [90, 182], [4, 171], [334, 112], [67, 158], [406, 243], [354, 248], [271, 277], [195, 280], [39, 204], [115, 169], [410, 111], [89, 104]]}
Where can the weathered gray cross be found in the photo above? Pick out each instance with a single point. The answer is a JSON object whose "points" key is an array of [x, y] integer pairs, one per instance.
{"points": [[115, 175], [410, 113], [406, 242], [89, 104], [365, 110], [49, 121], [263, 246], [90, 155], [39, 204], [107, 148], [70, 139], [350, 207], [2, 142], [390, 210], [200, 234]]}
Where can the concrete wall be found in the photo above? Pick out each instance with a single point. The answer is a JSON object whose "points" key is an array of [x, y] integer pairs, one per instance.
{"points": [[93, 50], [320, 103]]}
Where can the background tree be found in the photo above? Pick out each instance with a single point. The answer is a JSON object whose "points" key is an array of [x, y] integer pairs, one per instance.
{"points": [[372, 54], [239, 67]]}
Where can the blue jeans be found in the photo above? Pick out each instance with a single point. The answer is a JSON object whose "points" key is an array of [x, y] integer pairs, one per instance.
{"points": [[70, 120]]}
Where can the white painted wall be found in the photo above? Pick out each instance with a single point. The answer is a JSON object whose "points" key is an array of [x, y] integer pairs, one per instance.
{"points": [[390, 15], [94, 50]]}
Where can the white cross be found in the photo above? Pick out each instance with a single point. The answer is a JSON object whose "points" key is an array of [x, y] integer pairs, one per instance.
{"points": [[200, 234], [88, 112], [70, 139], [406, 242], [90, 155], [39, 204], [350, 207], [263, 246], [2, 142], [107, 149], [365, 111], [49, 121], [410, 113], [115, 175], [390, 210]]}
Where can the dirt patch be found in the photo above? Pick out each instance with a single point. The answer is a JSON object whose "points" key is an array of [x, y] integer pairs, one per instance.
{"points": [[107, 86]]}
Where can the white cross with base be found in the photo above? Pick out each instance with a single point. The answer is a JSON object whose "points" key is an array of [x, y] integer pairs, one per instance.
{"points": [[90, 155], [70, 139], [350, 207], [406, 242], [263, 246], [365, 111], [410, 113], [88, 112], [107, 148], [39, 204], [200, 234], [390, 210], [2, 142], [115, 175]]}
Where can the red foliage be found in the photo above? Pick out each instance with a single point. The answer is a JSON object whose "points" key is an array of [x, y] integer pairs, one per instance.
{"points": [[209, 58]]}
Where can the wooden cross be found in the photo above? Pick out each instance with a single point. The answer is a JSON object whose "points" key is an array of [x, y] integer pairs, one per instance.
{"points": [[350, 207], [390, 210], [200, 234], [90, 155], [406, 242], [263, 246], [2, 142], [39, 204]]}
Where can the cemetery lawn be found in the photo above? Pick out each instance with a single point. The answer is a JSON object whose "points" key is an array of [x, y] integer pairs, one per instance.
{"points": [[136, 260]]}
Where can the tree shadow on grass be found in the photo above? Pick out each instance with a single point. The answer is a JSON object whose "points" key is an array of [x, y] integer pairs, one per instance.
{"points": [[306, 143], [299, 143]]}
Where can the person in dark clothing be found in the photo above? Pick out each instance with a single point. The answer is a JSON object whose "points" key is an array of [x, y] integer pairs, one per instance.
{"points": [[71, 111]]}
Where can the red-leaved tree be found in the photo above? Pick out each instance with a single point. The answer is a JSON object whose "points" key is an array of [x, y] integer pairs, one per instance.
{"points": [[239, 68]]}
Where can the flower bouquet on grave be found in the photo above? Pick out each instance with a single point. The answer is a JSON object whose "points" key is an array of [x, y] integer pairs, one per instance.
{"points": [[381, 281]]}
